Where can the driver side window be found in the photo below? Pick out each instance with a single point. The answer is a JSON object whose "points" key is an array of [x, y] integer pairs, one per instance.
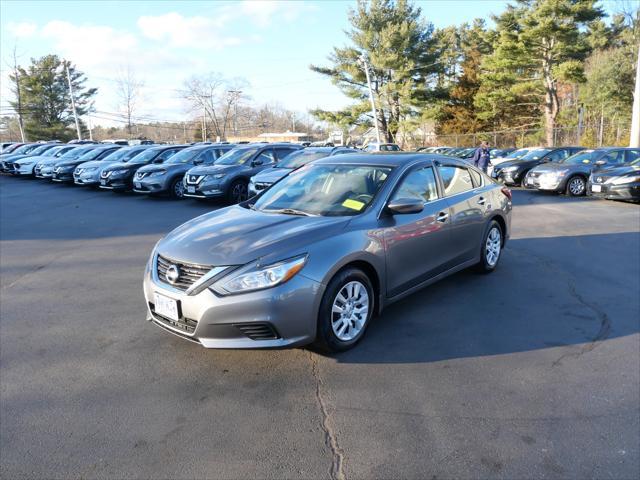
{"points": [[266, 156], [419, 184]]}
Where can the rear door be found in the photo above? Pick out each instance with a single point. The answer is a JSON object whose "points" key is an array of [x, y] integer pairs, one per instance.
{"points": [[469, 201], [417, 244], [282, 152]]}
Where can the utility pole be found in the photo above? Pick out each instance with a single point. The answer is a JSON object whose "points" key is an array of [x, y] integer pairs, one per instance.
{"points": [[236, 96], [90, 128], [16, 74], [634, 141], [204, 123], [363, 61], [73, 102], [580, 123], [293, 122]]}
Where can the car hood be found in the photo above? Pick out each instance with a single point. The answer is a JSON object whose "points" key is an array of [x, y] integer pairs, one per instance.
{"points": [[519, 163], [236, 236], [124, 166], [501, 160], [619, 171], [69, 163], [95, 163], [48, 161], [169, 167], [554, 167], [271, 175], [36, 158], [213, 169], [13, 158]]}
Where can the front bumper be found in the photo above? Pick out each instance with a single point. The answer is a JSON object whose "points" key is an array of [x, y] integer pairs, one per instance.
{"points": [[20, 169], [86, 179], [289, 311], [45, 172], [151, 185], [116, 183], [62, 176], [204, 189], [544, 182], [628, 191], [510, 178]]}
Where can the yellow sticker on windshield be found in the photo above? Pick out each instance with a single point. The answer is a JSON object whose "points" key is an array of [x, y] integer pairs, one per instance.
{"points": [[353, 204], [586, 161]]}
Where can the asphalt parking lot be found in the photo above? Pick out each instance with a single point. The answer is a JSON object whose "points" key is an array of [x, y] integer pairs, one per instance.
{"points": [[532, 371]]}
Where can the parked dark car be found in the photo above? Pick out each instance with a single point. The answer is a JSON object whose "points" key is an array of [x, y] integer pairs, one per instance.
{"points": [[17, 153], [63, 169], [229, 176], [168, 177], [513, 171], [297, 159], [44, 167], [27, 165], [88, 173], [618, 183], [119, 175], [571, 174]]}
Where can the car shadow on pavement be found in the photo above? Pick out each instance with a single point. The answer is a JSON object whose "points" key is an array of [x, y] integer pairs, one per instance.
{"points": [[547, 292]]}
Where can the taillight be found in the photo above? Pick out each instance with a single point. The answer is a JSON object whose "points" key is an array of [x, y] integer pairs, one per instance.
{"points": [[507, 192]]}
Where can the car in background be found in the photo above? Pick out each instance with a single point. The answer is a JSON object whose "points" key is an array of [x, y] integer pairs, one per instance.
{"points": [[8, 164], [313, 258], [269, 176], [5, 145], [88, 173], [19, 152], [119, 175], [229, 176], [382, 147], [168, 177], [64, 168], [514, 155], [500, 152], [27, 165], [512, 172], [44, 167], [618, 183], [571, 174]]}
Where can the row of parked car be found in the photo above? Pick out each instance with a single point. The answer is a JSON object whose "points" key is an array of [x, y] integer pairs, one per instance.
{"points": [[608, 172], [210, 170]]}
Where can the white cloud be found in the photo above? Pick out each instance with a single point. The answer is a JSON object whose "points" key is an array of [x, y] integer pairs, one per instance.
{"points": [[22, 29], [262, 12], [192, 32]]}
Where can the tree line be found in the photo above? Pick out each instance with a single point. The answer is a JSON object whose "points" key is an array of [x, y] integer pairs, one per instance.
{"points": [[544, 64]]}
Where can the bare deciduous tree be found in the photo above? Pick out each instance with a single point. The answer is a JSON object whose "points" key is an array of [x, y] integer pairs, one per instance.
{"points": [[129, 91]]}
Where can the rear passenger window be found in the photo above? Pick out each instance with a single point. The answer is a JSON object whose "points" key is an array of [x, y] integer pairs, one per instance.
{"points": [[419, 184], [632, 155], [613, 158], [206, 157], [168, 154], [283, 152], [455, 179]]}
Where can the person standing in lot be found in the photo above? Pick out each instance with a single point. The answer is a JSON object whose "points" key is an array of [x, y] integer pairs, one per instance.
{"points": [[481, 157]]}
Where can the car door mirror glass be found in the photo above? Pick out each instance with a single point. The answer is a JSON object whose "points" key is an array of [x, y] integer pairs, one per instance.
{"points": [[405, 205], [257, 162], [600, 163], [158, 160]]}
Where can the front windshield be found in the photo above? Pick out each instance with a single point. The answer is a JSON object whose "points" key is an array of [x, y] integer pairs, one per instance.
{"points": [[56, 151], [185, 156], [23, 149], [237, 156], [536, 154], [300, 158], [75, 153], [144, 157], [518, 153], [90, 155], [41, 150], [327, 190], [588, 156], [121, 155]]}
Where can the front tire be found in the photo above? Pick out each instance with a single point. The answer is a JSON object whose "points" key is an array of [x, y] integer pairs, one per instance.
{"points": [[345, 311], [238, 192], [576, 186], [177, 189], [491, 249]]}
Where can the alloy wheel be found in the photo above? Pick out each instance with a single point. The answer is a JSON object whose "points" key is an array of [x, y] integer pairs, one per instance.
{"points": [[178, 189], [349, 311], [239, 192], [493, 246], [577, 186]]}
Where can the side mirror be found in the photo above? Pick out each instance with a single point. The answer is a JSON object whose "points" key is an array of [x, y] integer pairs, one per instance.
{"points": [[257, 162], [158, 160], [600, 163], [405, 205], [198, 161]]}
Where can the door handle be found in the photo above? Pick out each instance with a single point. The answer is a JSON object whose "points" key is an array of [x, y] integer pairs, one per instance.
{"points": [[442, 217], [481, 201]]}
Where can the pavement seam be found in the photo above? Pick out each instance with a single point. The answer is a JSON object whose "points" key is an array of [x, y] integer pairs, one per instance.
{"points": [[336, 471]]}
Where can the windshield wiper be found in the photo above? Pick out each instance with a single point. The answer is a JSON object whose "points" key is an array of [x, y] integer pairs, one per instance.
{"points": [[291, 211]]}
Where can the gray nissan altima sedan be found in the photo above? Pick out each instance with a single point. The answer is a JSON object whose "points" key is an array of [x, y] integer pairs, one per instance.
{"points": [[314, 257]]}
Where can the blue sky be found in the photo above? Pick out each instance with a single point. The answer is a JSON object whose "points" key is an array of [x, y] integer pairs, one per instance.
{"points": [[267, 43]]}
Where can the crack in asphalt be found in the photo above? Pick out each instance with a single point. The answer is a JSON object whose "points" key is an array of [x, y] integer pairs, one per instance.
{"points": [[605, 321], [336, 470]]}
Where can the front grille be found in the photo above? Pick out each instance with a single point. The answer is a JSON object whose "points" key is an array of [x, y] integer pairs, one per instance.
{"points": [[78, 171], [141, 175], [189, 273], [194, 179], [258, 331], [187, 325], [600, 179], [36, 170], [105, 174]]}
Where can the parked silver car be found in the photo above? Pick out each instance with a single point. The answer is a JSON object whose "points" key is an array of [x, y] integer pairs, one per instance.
{"points": [[314, 257], [88, 173]]}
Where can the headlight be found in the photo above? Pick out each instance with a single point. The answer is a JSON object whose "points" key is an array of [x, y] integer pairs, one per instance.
{"points": [[119, 172], [510, 169], [89, 169], [216, 176], [256, 277], [623, 180], [158, 173]]}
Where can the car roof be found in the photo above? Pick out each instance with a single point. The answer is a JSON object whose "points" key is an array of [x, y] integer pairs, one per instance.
{"points": [[387, 159]]}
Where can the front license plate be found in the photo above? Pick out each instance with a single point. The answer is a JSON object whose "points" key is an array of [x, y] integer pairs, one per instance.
{"points": [[191, 189], [103, 182], [138, 185], [596, 188], [166, 306]]}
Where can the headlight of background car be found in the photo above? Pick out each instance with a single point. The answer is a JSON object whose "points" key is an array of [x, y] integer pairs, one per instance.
{"points": [[255, 277], [627, 179], [510, 169], [158, 173], [118, 172], [215, 176], [89, 169]]}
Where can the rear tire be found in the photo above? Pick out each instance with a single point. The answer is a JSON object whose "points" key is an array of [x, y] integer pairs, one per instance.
{"points": [[576, 186], [491, 248], [346, 309]]}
